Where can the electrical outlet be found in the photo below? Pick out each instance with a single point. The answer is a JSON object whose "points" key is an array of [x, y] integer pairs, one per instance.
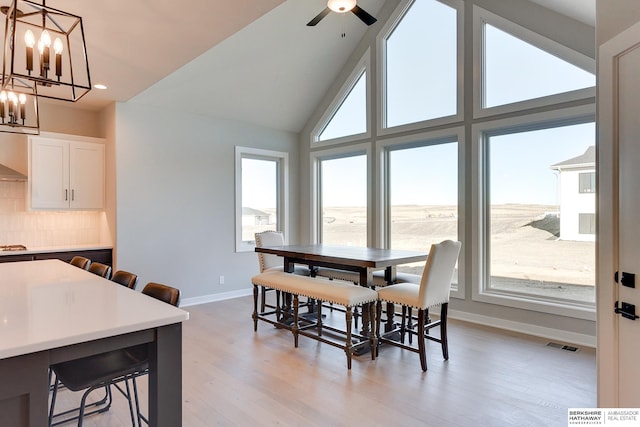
{"points": [[222, 280]]}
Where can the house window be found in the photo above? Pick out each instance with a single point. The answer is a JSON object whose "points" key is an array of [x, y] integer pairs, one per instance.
{"points": [[422, 196], [587, 223], [351, 116], [343, 200], [421, 69], [533, 249], [516, 68], [346, 118], [261, 194], [587, 182]]}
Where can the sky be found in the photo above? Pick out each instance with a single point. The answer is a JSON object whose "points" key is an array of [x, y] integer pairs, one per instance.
{"points": [[421, 84]]}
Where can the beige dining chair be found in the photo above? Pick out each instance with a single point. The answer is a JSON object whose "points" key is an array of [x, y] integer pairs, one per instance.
{"points": [[269, 262], [432, 289]]}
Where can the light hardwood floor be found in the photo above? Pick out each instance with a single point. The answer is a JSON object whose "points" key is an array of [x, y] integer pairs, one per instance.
{"points": [[235, 377]]}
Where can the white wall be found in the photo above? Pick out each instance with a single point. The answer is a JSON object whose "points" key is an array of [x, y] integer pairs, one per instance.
{"points": [[175, 198]]}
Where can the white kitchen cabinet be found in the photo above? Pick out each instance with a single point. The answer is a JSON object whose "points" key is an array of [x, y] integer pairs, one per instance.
{"points": [[66, 173]]}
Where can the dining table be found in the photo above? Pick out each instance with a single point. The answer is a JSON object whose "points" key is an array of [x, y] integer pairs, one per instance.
{"points": [[362, 260], [52, 312]]}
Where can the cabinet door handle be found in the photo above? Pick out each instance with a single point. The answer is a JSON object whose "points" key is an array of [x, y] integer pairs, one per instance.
{"points": [[66, 195], [73, 195]]}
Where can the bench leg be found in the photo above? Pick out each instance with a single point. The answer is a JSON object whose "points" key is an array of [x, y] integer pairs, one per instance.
{"points": [[255, 308], [319, 321], [372, 335], [378, 324], [348, 348], [403, 324], [294, 328]]}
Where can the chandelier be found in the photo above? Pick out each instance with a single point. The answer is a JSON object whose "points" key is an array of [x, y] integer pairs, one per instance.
{"points": [[45, 46], [19, 108]]}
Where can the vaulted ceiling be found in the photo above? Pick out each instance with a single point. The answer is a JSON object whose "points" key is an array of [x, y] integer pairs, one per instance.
{"points": [[247, 60]]}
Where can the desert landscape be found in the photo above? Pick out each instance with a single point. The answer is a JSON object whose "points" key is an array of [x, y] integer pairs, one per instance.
{"points": [[526, 253]]}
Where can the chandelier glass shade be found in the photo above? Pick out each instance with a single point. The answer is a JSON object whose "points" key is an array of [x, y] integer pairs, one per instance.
{"points": [[19, 108], [45, 46]]}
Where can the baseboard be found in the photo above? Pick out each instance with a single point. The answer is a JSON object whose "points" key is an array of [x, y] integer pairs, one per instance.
{"points": [[186, 302], [526, 328]]}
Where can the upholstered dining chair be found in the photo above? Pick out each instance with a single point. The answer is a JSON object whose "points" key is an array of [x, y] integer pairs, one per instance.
{"points": [[432, 289], [106, 369], [125, 278], [100, 269], [269, 262], [80, 262]]}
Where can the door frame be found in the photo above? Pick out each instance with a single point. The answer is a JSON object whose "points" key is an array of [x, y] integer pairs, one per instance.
{"points": [[607, 149]]}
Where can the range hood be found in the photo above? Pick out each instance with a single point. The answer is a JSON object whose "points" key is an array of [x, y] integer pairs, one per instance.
{"points": [[8, 174]]}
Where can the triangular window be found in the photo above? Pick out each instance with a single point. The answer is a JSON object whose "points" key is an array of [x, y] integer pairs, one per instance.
{"points": [[351, 116], [516, 70]]}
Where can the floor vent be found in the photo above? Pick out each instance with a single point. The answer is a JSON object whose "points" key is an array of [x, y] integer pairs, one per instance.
{"points": [[563, 347]]}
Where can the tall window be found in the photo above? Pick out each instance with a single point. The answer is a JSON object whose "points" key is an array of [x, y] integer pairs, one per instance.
{"points": [[343, 201], [421, 64], [533, 221], [423, 197], [260, 194]]}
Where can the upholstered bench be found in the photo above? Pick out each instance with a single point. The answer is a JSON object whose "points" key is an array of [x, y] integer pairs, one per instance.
{"points": [[322, 290]]}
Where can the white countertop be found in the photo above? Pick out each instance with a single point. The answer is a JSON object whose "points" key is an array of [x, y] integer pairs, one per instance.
{"points": [[49, 303]]}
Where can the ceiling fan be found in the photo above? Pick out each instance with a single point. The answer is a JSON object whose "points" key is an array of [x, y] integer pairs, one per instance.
{"points": [[343, 6]]}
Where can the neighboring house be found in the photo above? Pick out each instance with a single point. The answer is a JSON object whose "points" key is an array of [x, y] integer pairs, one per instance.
{"points": [[577, 186], [251, 216]]}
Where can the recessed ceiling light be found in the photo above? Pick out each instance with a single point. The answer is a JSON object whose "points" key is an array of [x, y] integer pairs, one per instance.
{"points": [[100, 86]]}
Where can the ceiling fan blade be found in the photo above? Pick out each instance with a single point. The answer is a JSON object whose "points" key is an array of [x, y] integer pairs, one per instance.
{"points": [[319, 17], [364, 16]]}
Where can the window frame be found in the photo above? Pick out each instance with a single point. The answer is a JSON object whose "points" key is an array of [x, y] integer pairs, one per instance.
{"points": [[591, 217], [381, 79], [482, 16], [363, 67], [316, 157], [591, 179], [481, 261], [422, 139], [282, 209]]}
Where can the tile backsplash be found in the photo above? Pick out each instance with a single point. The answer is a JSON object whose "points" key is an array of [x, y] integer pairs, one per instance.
{"points": [[36, 229]]}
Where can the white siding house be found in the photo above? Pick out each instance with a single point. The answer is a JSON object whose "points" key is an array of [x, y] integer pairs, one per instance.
{"points": [[256, 217], [577, 187]]}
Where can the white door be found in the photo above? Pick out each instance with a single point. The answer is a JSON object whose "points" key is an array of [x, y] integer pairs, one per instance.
{"points": [[618, 220]]}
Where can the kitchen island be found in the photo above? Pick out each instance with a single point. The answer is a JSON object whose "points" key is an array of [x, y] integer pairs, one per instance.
{"points": [[52, 312], [97, 253]]}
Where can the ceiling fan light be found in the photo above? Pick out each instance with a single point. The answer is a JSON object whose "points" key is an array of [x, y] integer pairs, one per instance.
{"points": [[341, 6]]}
